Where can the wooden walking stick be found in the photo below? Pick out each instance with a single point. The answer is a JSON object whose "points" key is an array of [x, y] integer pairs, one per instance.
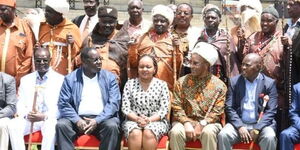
{"points": [[31, 125], [266, 98], [174, 56], [174, 66], [69, 57], [228, 65], [288, 62]]}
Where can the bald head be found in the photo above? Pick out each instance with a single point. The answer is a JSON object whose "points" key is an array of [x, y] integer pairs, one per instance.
{"points": [[42, 60], [41, 51], [251, 66], [255, 57]]}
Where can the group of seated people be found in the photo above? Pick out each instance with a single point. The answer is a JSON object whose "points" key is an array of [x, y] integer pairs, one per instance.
{"points": [[88, 101], [141, 93]]}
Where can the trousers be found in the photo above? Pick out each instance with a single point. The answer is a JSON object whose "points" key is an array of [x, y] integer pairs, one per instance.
{"points": [[19, 127], [108, 132]]}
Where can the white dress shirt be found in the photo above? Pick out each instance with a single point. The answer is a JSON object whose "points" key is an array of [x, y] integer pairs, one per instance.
{"points": [[291, 29], [92, 24]]}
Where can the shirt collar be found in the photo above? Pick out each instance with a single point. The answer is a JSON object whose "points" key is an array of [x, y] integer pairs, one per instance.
{"points": [[45, 77], [86, 78], [289, 23], [135, 26], [259, 76]]}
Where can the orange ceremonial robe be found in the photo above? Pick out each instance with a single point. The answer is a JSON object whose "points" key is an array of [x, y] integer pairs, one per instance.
{"points": [[55, 38], [18, 57]]}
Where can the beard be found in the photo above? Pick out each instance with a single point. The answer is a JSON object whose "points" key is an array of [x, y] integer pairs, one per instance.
{"points": [[6, 18]]}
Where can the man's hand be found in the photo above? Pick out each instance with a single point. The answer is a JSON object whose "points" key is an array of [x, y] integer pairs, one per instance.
{"points": [[189, 131], [244, 135], [70, 38], [254, 134], [198, 131], [35, 116], [286, 41], [81, 124], [91, 125]]}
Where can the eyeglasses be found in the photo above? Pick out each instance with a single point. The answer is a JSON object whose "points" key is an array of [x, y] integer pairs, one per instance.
{"points": [[41, 60], [96, 60], [184, 13]]}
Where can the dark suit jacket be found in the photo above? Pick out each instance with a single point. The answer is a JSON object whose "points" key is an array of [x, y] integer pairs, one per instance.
{"points": [[8, 97], [295, 107], [71, 91], [77, 20], [296, 54], [235, 101]]}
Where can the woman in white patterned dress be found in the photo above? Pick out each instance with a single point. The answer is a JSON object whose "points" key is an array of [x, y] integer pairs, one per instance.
{"points": [[145, 104]]}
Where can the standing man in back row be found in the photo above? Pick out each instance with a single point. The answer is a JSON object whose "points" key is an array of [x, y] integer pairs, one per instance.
{"points": [[59, 34], [16, 40], [87, 22], [136, 25]]}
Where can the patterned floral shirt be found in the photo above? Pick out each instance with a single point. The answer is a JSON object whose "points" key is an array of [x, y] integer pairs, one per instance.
{"points": [[194, 96]]}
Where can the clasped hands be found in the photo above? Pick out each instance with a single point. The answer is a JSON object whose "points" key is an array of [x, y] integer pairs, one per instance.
{"points": [[246, 136], [86, 125], [142, 121], [192, 132]]}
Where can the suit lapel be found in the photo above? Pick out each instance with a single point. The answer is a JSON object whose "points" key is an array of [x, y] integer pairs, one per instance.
{"points": [[259, 90], [101, 82], [242, 91]]}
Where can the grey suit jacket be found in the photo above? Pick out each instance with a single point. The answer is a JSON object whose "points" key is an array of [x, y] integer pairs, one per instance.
{"points": [[8, 97]]}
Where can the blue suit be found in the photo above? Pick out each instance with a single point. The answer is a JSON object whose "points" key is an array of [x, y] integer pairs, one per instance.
{"points": [[291, 135], [234, 108], [107, 121], [235, 99]]}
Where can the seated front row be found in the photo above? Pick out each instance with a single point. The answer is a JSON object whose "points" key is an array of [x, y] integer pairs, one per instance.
{"points": [[198, 104]]}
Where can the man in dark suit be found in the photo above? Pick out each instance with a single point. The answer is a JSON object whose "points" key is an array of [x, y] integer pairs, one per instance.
{"points": [[244, 104], [89, 104], [8, 102], [292, 37], [87, 22], [291, 135]]}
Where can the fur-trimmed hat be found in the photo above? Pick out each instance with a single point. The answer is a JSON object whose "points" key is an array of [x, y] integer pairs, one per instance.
{"points": [[206, 51], [61, 6], [107, 11], [164, 11]]}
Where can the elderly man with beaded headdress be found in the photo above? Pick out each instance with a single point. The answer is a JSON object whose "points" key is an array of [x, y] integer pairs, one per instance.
{"points": [[267, 43], [198, 103], [60, 36], [110, 43], [227, 63], [158, 42]]}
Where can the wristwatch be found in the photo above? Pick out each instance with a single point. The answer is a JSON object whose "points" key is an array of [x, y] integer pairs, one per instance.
{"points": [[203, 122], [256, 131]]}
